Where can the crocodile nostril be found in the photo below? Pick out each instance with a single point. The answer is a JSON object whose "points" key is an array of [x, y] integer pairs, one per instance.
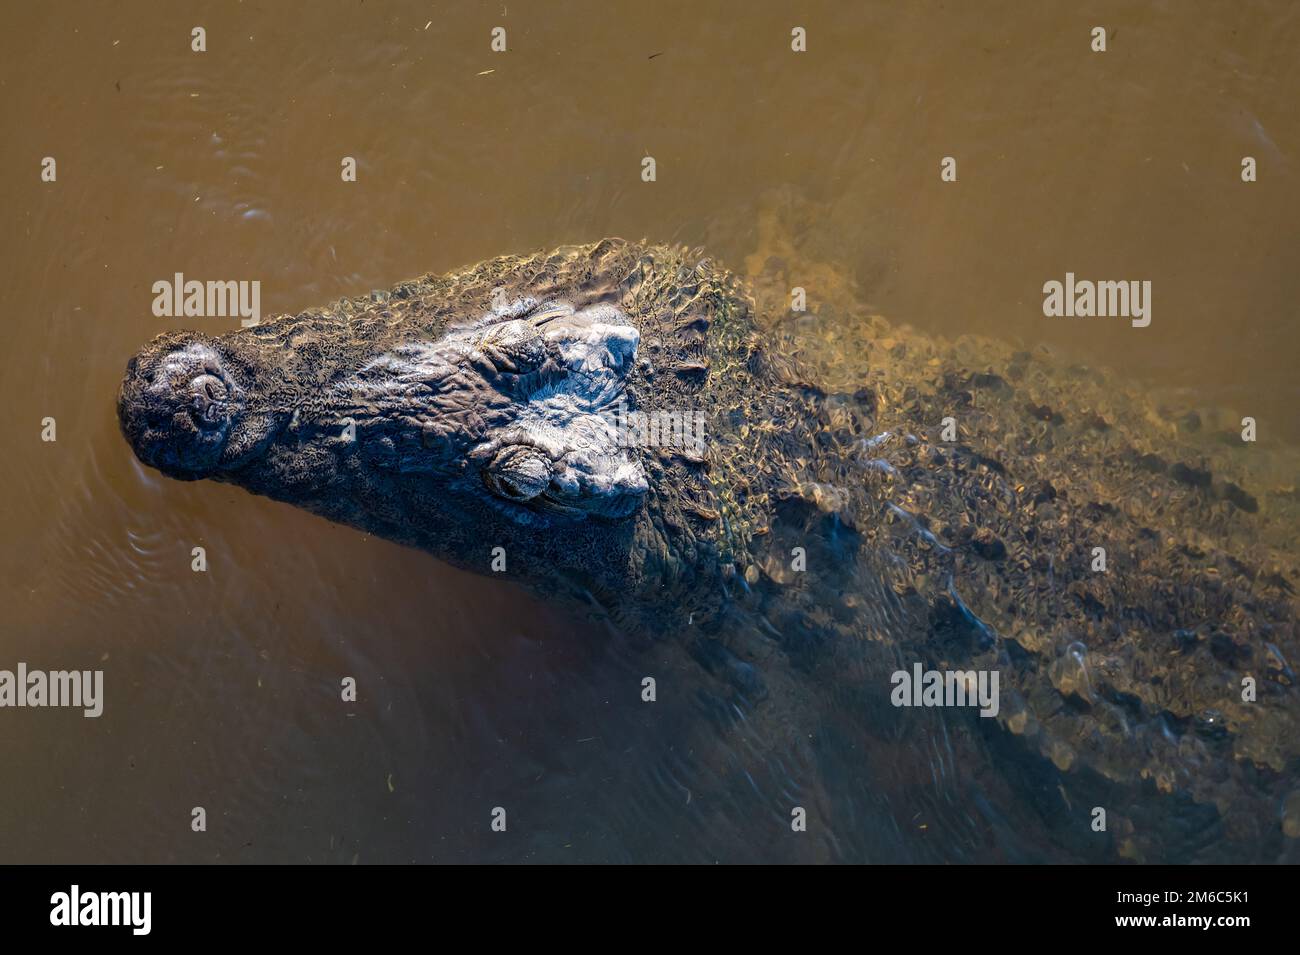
{"points": [[208, 400], [211, 386]]}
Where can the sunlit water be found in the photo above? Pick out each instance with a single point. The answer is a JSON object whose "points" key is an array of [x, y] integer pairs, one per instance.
{"points": [[222, 688]]}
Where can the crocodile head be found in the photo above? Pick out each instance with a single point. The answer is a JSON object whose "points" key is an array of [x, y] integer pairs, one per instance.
{"points": [[507, 407], [513, 411]]}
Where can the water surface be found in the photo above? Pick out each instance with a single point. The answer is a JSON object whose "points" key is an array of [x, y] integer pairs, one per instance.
{"points": [[222, 688]]}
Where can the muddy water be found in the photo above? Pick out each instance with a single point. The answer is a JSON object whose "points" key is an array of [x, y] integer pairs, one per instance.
{"points": [[222, 688]]}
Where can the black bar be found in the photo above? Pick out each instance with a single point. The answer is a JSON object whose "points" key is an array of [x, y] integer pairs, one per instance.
{"points": [[215, 904]]}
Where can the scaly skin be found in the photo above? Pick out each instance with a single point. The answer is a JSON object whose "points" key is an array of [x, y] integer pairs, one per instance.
{"points": [[462, 413]]}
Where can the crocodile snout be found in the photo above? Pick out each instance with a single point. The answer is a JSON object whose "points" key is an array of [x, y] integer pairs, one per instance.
{"points": [[178, 405]]}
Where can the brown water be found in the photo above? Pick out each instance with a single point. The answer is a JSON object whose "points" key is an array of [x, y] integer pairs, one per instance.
{"points": [[222, 688]]}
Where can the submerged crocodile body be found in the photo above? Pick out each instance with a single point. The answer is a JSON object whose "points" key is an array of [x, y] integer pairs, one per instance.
{"points": [[831, 529]]}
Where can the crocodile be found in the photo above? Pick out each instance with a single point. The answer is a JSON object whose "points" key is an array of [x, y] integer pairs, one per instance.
{"points": [[853, 507]]}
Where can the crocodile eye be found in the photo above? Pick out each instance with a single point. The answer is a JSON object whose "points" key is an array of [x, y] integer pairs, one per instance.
{"points": [[518, 473], [514, 347]]}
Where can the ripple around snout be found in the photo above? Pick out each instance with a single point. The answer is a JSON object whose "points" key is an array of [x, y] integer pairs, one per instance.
{"points": [[98, 564]]}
